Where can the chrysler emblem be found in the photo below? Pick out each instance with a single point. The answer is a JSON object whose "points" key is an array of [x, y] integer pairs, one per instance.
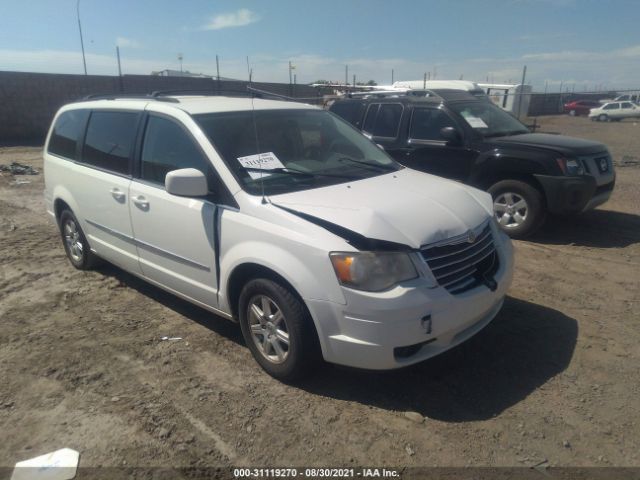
{"points": [[471, 237]]}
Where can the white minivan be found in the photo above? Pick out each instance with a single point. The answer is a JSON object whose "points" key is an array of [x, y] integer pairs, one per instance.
{"points": [[282, 217]]}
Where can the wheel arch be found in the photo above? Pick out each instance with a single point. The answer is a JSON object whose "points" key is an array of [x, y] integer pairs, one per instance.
{"points": [[245, 272]]}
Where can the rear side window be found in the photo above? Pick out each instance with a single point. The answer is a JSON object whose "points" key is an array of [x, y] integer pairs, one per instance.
{"points": [[349, 111], [627, 105], [66, 133], [383, 120], [109, 140]]}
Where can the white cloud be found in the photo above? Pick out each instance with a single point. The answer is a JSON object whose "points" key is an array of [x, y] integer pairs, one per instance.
{"points": [[240, 18], [124, 42]]}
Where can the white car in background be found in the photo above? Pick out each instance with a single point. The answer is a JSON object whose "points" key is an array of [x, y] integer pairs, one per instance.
{"points": [[281, 217], [615, 111]]}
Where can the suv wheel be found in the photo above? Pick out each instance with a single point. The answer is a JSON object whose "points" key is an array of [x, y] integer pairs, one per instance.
{"points": [[75, 243], [603, 117], [278, 330], [518, 207]]}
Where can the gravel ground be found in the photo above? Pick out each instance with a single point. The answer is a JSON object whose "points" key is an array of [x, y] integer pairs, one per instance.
{"points": [[553, 380]]}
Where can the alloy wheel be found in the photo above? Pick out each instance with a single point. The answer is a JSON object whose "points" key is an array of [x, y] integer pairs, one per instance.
{"points": [[268, 328], [510, 209], [73, 240]]}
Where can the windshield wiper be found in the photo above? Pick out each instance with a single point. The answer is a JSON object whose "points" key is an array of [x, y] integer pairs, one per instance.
{"points": [[293, 171], [384, 168]]}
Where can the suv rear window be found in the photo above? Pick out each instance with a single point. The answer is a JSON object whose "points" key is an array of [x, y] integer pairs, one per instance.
{"points": [[66, 132], [109, 140]]}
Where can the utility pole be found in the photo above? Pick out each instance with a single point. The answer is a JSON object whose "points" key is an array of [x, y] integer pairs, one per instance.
{"points": [[118, 55], [290, 67], [392, 76], [524, 73], [346, 74], [120, 82], [84, 61], [354, 80], [424, 82], [180, 57], [217, 69]]}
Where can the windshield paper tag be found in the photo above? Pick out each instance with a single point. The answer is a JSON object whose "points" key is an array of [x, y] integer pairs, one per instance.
{"points": [[476, 122], [266, 160]]}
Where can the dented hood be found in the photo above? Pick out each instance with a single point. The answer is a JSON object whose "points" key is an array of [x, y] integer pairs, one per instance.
{"points": [[406, 207]]}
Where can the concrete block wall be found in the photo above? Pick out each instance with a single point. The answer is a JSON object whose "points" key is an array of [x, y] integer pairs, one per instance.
{"points": [[28, 101]]}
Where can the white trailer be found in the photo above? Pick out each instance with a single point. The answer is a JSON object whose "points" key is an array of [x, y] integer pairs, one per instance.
{"points": [[512, 98]]}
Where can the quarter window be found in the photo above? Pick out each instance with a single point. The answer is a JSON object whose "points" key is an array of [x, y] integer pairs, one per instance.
{"points": [[109, 140], [370, 120], [426, 124], [66, 132], [168, 147]]}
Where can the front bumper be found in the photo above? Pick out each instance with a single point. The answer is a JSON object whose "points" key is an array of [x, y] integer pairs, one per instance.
{"points": [[567, 195], [371, 329]]}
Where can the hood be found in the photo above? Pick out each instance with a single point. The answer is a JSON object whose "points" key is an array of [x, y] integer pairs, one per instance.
{"points": [[570, 146], [406, 207]]}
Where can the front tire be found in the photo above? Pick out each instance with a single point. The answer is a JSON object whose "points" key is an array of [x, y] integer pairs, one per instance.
{"points": [[75, 243], [603, 118], [278, 330], [572, 113], [518, 207]]}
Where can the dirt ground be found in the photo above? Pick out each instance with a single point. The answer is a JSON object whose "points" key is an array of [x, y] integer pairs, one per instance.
{"points": [[553, 380]]}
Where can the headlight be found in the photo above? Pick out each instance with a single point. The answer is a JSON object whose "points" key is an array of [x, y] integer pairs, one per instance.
{"points": [[570, 166], [372, 271]]}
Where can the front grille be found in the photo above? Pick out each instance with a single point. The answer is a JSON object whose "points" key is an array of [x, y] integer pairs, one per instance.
{"points": [[460, 265]]}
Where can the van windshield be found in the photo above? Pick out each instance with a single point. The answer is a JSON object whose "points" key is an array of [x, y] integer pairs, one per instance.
{"points": [[290, 150], [488, 120]]}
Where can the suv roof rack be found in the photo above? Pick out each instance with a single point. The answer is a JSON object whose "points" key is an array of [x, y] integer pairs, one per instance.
{"points": [[392, 93]]}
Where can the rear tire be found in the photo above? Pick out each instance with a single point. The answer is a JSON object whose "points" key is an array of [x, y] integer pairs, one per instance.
{"points": [[603, 118], [518, 207], [572, 113], [278, 329], [75, 243]]}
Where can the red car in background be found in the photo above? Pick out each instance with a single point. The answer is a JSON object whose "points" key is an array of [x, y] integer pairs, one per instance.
{"points": [[580, 107]]}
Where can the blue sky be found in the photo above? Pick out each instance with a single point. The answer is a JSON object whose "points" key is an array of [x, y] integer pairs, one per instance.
{"points": [[582, 43]]}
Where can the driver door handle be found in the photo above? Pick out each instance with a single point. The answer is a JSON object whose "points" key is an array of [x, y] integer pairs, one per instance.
{"points": [[141, 201]]}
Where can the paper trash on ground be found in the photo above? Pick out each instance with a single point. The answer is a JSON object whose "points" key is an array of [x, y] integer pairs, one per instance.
{"points": [[266, 160], [59, 465]]}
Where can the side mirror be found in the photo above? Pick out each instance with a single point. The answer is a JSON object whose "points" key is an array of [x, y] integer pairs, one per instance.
{"points": [[451, 135], [186, 182]]}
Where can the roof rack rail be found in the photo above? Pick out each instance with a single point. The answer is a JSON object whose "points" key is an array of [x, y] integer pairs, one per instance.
{"points": [[132, 96], [393, 93]]}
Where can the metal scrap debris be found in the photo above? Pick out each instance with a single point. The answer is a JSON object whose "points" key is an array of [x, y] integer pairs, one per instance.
{"points": [[16, 168]]}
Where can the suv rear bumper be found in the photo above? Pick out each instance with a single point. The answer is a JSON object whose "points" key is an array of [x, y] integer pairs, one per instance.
{"points": [[567, 195]]}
